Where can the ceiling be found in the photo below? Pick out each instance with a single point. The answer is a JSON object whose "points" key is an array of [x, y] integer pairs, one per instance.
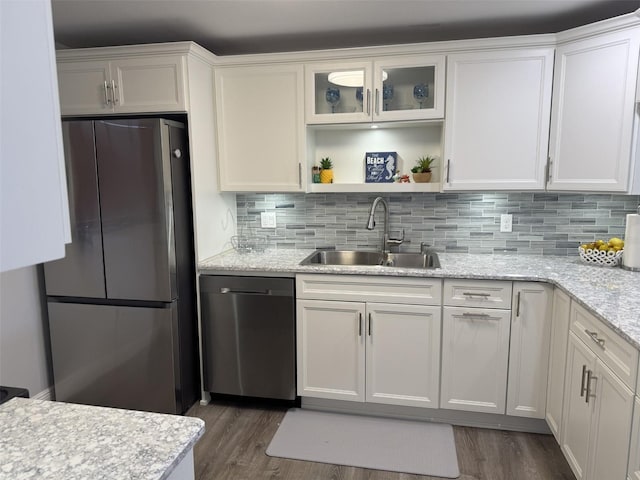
{"points": [[228, 27]]}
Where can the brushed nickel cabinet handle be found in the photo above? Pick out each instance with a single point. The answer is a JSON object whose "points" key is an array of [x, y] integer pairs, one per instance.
{"points": [[370, 325], [588, 395], [107, 100], [114, 97], [482, 316], [583, 388], [359, 324], [368, 101], [473, 294], [518, 306], [377, 101], [594, 337], [448, 169]]}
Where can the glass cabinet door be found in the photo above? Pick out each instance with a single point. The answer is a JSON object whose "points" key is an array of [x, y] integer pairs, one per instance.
{"points": [[409, 88], [339, 92]]}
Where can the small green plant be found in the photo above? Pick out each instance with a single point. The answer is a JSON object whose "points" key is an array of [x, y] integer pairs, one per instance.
{"points": [[423, 164], [326, 163]]}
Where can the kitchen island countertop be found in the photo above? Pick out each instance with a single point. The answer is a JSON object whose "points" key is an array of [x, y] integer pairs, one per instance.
{"points": [[55, 440], [612, 294]]}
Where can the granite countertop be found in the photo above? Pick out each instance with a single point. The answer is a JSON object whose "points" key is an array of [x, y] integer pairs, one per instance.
{"points": [[612, 294], [55, 440]]}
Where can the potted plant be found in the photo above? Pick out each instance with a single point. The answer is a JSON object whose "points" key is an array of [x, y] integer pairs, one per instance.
{"points": [[326, 174], [422, 170]]}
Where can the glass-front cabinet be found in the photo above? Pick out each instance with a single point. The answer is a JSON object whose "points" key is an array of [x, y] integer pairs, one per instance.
{"points": [[385, 89]]}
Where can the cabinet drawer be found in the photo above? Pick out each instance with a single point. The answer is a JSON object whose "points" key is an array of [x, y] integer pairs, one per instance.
{"points": [[477, 293], [356, 288], [614, 351]]}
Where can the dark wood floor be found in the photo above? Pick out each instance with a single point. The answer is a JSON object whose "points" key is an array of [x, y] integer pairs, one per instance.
{"points": [[237, 435]]}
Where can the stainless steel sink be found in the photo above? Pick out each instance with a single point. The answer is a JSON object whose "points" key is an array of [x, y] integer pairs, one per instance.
{"points": [[343, 257], [364, 258], [413, 260]]}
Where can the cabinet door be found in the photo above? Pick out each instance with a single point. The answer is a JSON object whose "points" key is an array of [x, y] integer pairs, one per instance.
{"points": [[403, 354], [34, 213], [339, 92], [593, 112], [611, 425], [330, 349], [557, 360], [475, 350], [408, 88], [152, 84], [576, 415], [497, 121], [84, 87], [634, 450], [260, 128], [529, 349]]}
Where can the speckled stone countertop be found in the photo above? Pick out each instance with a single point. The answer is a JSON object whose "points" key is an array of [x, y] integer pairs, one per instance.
{"points": [[612, 294], [55, 440]]}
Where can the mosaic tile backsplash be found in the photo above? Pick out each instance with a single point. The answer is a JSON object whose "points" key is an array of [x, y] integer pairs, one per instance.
{"points": [[543, 223]]}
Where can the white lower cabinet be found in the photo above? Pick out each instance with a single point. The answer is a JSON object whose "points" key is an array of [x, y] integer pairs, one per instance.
{"points": [[634, 450], [392, 349], [495, 360], [557, 360], [597, 416], [403, 354], [529, 349], [475, 352], [330, 349], [382, 348]]}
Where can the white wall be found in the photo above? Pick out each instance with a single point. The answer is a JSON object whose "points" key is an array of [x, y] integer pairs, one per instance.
{"points": [[24, 336]]}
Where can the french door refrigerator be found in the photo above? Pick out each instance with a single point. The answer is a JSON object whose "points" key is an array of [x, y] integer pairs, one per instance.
{"points": [[121, 303]]}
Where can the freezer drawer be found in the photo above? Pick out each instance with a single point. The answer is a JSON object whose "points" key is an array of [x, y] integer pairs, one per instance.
{"points": [[248, 328], [114, 356]]}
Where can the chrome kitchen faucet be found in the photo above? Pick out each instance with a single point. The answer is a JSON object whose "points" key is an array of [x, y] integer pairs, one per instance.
{"points": [[371, 223]]}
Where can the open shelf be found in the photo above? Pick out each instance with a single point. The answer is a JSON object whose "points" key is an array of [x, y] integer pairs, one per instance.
{"points": [[373, 187], [347, 146]]}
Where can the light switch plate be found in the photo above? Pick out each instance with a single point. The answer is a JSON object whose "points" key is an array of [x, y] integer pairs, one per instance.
{"points": [[268, 219], [506, 222]]}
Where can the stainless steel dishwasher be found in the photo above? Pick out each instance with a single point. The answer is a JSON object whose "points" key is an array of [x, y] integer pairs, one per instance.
{"points": [[248, 336]]}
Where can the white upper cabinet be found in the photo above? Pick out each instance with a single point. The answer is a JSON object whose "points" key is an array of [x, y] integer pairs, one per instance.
{"points": [[138, 84], [260, 126], [34, 212], [497, 119], [407, 87], [593, 112]]}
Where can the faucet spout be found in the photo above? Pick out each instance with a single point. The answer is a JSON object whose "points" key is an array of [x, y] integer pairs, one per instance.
{"points": [[371, 224]]}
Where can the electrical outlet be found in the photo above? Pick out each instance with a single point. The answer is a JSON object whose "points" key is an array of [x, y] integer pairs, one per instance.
{"points": [[268, 219], [506, 222]]}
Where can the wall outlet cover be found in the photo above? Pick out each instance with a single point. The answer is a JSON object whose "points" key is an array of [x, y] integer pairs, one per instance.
{"points": [[268, 219], [506, 222]]}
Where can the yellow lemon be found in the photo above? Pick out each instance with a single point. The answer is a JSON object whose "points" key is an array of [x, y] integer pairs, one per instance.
{"points": [[616, 242]]}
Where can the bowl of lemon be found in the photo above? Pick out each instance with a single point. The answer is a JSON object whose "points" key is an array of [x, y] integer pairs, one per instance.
{"points": [[602, 253]]}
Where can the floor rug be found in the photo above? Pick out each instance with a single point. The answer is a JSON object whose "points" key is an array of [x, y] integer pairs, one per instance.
{"points": [[394, 445]]}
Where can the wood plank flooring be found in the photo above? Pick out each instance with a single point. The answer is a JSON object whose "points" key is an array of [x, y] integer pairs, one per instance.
{"points": [[237, 435]]}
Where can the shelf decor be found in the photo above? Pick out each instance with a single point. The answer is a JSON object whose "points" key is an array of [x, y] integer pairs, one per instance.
{"points": [[380, 167]]}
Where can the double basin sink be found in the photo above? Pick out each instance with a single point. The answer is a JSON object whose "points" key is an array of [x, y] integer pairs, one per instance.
{"points": [[427, 260]]}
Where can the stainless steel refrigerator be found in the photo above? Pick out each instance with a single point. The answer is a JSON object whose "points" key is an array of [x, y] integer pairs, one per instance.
{"points": [[122, 308]]}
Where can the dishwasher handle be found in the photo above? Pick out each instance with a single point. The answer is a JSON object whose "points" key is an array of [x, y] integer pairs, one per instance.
{"points": [[246, 292]]}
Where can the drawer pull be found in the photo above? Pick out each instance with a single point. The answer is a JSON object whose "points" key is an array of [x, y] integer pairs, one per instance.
{"points": [[483, 316], [594, 337], [472, 294]]}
